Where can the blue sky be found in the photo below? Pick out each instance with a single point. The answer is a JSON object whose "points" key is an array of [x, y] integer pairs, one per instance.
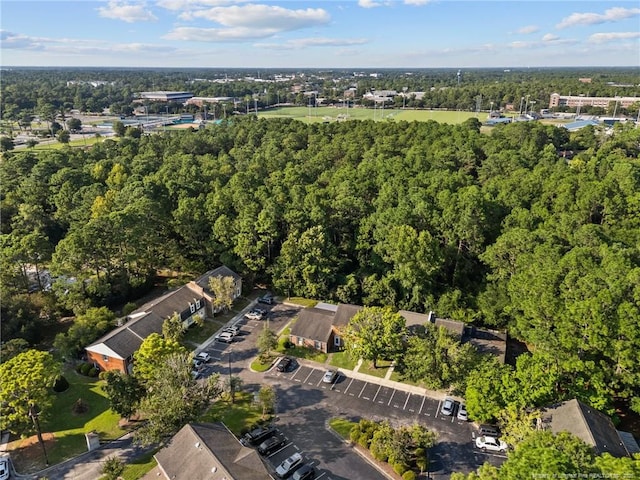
{"points": [[331, 33]]}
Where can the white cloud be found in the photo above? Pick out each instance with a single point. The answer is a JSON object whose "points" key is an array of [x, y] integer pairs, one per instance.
{"points": [[76, 47], [314, 42], [550, 37], [195, 4], [127, 13], [263, 17], [237, 34], [613, 36], [611, 15], [526, 30], [370, 3], [416, 2]]}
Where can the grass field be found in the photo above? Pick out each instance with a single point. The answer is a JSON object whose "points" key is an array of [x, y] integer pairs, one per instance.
{"points": [[330, 114], [68, 428]]}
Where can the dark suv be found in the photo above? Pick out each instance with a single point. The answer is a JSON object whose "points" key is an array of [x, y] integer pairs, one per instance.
{"points": [[284, 364], [305, 472], [271, 444], [257, 435], [489, 431]]}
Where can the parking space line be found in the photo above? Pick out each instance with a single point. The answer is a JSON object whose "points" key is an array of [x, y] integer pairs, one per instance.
{"points": [[279, 450], [407, 401], [319, 381], [305, 380], [422, 405], [345, 390], [392, 394], [363, 387], [377, 392], [321, 475], [294, 375], [438, 409]]}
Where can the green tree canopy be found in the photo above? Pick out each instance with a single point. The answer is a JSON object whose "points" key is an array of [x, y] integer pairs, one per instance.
{"points": [[173, 398], [153, 351], [26, 380], [223, 289], [374, 333]]}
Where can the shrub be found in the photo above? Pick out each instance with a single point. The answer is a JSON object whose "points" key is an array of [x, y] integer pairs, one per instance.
{"points": [[84, 369], [399, 468], [409, 475], [61, 384], [128, 308], [102, 375], [79, 367], [93, 372], [112, 468]]}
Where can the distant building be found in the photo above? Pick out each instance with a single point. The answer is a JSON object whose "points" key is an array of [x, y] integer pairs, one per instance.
{"points": [[200, 101], [574, 101], [165, 96]]}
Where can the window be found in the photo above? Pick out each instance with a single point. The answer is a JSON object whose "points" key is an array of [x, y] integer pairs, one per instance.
{"points": [[300, 340], [105, 358], [337, 341], [192, 308], [197, 304], [318, 345]]}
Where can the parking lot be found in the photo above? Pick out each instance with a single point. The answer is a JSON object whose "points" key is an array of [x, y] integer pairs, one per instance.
{"points": [[305, 403]]}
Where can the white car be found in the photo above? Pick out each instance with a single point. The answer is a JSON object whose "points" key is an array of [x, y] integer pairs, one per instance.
{"points": [[226, 337], [462, 413], [203, 357], [232, 329], [288, 466], [490, 443], [330, 376], [254, 315], [5, 473], [447, 406]]}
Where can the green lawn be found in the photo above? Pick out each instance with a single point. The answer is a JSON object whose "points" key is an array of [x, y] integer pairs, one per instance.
{"points": [[238, 416], [140, 466], [260, 367], [198, 334], [380, 372], [69, 428], [342, 360], [304, 302], [322, 114], [342, 426]]}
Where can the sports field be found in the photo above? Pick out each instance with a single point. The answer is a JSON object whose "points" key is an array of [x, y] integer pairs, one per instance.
{"points": [[332, 114]]}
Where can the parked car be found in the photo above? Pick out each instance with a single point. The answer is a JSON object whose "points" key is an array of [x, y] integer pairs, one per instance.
{"points": [[258, 434], [271, 444], [283, 364], [233, 329], [287, 467], [489, 430], [254, 315], [462, 413], [197, 364], [305, 472], [268, 299], [5, 472], [490, 443], [225, 337], [330, 376], [447, 406], [204, 357]]}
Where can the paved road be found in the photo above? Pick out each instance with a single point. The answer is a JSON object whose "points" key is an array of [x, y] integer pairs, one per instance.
{"points": [[305, 403]]}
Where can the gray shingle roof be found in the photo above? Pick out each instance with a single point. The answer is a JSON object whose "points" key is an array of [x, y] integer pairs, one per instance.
{"points": [[175, 301], [314, 324], [222, 271], [345, 313], [212, 452], [588, 424]]}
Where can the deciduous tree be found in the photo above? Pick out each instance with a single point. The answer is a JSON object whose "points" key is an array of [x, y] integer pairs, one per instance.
{"points": [[374, 333]]}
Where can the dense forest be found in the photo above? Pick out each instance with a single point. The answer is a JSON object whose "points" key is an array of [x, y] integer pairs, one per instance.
{"points": [[498, 230]]}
